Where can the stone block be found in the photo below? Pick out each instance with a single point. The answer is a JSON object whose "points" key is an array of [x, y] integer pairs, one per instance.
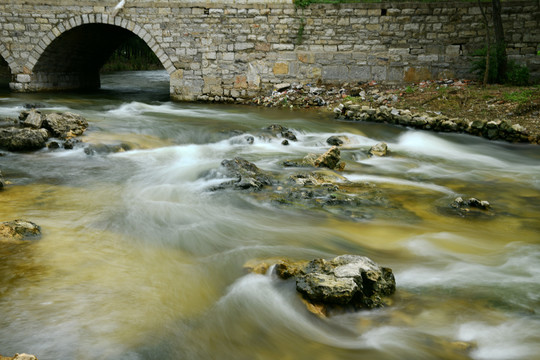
{"points": [[413, 74], [281, 68]]}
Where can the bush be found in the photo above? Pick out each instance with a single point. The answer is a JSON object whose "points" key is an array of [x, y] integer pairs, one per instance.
{"points": [[517, 74]]}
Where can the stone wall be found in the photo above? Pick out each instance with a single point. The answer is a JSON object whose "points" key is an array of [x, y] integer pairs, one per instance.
{"points": [[239, 48]]}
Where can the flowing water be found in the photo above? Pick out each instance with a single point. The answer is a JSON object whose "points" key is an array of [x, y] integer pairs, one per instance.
{"points": [[139, 259]]}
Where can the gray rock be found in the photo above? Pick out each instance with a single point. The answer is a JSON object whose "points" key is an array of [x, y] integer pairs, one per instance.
{"points": [[283, 86], [65, 125], [348, 280], [33, 120], [15, 139], [18, 230], [247, 175], [380, 149], [2, 182]]}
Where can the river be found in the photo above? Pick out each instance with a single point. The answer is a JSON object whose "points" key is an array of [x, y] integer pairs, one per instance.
{"points": [[140, 259]]}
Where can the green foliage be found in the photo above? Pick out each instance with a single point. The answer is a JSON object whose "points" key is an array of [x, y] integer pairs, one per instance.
{"points": [[134, 54], [409, 89], [520, 96], [515, 74]]}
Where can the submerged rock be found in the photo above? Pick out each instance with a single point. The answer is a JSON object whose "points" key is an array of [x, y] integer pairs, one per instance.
{"points": [[247, 175], [471, 207], [346, 282], [94, 149], [25, 139], [18, 230]]}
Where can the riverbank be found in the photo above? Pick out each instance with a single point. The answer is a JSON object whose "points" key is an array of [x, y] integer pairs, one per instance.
{"points": [[463, 102]]}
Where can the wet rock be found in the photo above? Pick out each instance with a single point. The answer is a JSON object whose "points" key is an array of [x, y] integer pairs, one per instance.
{"points": [[380, 149], [347, 281], [330, 159], [65, 125], [287, 134], [249, 139], [18, 230], [247, 175], [16, 139], [69, 144], [336, 140], [2, 182], [471, 207], [53, 145], [285, 142], [470, 203]]}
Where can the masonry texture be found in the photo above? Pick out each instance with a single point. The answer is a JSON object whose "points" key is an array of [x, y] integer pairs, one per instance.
{"points": [[230, 49]]}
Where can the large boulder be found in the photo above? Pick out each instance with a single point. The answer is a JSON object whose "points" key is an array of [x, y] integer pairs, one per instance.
{"points": [[348, 281], [25, 139], [18, 230], [246, 175], [65, 125]]}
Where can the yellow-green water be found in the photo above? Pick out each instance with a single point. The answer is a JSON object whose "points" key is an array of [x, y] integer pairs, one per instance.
{"points": [[140, 260]]}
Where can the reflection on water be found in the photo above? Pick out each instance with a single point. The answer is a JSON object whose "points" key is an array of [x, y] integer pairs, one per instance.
{"points": [[140, 260]]}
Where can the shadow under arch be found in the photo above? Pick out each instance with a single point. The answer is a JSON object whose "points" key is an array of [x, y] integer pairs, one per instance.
{"points": [[71, 54], [5, 74]]}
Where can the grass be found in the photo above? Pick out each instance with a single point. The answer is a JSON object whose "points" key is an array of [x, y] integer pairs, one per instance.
{"points": [[519, 96]]}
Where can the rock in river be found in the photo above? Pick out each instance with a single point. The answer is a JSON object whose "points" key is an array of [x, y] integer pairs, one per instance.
{"points": [[65, 125], [25, 139], [344, 282], [247, 175], [330, 159], [17, 230], [380, 149]]}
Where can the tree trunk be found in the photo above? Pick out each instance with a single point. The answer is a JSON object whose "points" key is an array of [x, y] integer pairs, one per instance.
{"points": [[488, 41], [500, 45]]}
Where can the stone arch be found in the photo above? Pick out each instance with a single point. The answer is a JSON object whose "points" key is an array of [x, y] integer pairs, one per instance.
{"points": [[93, 37]]}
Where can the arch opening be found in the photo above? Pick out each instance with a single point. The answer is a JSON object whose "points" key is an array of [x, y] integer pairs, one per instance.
{"points": [[5, 74], [74, 59]]}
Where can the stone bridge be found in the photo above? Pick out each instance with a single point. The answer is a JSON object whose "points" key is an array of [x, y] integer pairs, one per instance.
{"points": [[227, 49]]}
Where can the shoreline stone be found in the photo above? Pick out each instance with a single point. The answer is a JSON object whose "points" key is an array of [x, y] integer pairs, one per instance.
{"points": [[492, 130]]}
